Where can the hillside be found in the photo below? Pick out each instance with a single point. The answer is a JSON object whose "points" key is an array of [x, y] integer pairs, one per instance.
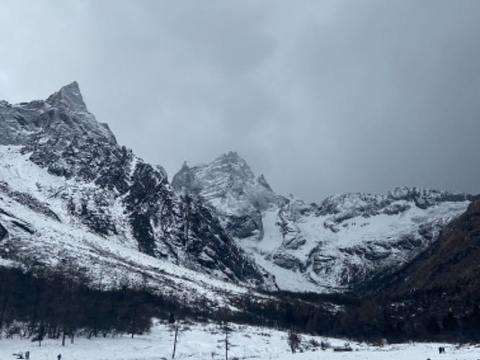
{"points": [[450, 263]]}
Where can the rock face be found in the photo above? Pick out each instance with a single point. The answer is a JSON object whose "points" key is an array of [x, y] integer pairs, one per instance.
{"points": [[58, 163], [339, 244]]}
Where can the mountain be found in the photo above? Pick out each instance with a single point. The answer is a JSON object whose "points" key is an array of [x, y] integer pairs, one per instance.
{"points": [[71, 196], [450, 263], [340, 244]]}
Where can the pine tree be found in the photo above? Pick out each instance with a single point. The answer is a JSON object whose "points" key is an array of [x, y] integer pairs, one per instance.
{"points": [[227, 330]]}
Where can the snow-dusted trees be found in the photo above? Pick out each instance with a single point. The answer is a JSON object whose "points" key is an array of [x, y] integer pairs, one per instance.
{"points": [[4, 297], [55, 304]]}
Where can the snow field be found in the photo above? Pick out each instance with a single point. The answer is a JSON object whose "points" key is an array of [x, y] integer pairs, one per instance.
{"points": [[207, 342]]}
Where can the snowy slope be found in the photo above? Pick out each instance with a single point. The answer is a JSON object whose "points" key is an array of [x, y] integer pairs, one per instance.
{"points": [[336, 245], [42, 231]]}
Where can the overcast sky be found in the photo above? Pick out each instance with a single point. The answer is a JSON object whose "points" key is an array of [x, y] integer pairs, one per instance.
{"points": [[322, 97]]}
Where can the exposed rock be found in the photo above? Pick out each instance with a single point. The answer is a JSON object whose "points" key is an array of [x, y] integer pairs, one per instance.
{"points": [[3, 232], [286, 261]]}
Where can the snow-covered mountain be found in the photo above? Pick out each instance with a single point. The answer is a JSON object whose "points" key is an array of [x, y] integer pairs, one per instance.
{"points": [[70, 195], [229, 186], [336, 245]]}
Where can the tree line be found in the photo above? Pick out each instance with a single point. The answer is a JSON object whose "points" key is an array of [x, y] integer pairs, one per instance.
{"points": [[59, 303], [56, 304]]}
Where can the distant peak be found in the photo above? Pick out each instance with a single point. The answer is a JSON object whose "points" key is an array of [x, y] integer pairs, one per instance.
{"points": [[73, 86], [232, 156], [68, 97], [232, 164]]}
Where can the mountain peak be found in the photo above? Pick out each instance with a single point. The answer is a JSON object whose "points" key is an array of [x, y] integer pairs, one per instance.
{"points": [[68, 97], [232, 157]]}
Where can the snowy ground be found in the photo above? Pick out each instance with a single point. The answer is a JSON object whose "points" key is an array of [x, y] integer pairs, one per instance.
{"points": [[207, 342]]}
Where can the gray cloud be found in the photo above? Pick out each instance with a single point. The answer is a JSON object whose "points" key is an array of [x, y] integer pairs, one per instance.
{"points": [[321, 97]]}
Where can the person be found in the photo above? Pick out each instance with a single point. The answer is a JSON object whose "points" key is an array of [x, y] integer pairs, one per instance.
{"points": [[59, 357], [27, 355]]}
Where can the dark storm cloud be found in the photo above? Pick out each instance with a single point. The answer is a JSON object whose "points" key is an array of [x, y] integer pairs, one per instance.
{"points": [[398, 84], [322, 97]]}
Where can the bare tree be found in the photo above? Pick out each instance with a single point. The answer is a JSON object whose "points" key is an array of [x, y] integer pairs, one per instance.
{"points": [[227, 330], [175, 340], [293, 340]]}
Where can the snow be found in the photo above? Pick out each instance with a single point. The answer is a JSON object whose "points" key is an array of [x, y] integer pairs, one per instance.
{"points": [[272, 237], [9, 263], [206, 341], [321, 244]]}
